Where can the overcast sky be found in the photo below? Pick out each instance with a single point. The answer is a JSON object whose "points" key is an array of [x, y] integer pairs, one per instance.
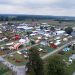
{"points": [[38, 7]]}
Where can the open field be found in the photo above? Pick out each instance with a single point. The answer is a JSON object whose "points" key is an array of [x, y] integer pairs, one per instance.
{"points": [[17, 59], [51, 22]]}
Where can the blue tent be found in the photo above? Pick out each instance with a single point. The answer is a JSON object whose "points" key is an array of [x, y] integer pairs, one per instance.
{"points": [[66, 49]]}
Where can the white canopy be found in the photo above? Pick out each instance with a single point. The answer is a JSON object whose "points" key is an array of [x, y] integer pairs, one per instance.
{"points": [[60, 32], [57, 43], [10, 43], [22, 41], [57, 38], [25, 27], [32, 34], [47, 35], [39, 37], [65, 39], [19, 52]]}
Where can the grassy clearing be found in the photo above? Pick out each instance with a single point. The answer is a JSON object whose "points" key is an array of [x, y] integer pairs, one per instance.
{"points": [[17, 59]]}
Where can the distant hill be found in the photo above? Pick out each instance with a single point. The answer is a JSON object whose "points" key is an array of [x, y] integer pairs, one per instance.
{"points": [[7, 17]]}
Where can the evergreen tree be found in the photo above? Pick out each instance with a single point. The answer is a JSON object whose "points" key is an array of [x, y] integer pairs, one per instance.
{"points": [[35, 62], [68, 30]]}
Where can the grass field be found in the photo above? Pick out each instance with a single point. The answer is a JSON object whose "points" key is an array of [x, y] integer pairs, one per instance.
{"points": [[51, 22], [22, 60], [17, 59]]}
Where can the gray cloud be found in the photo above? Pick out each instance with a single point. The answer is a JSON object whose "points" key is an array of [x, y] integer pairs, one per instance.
{"points": [[61, 7], [66, 4]]}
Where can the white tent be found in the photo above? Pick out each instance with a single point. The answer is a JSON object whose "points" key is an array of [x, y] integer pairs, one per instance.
{"points": [[39, 38], [65, 39], [57, 43], [4, 39], [32, 34], [37, 41], [47, 35], [10, 43], [22, 41], [66, 34], [25, 27], [69, 36], [60, 32], [57, 38], [19, 52]]}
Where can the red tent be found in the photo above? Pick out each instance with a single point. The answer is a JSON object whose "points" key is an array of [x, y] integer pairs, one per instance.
{"points": [[53, 45], [17, 37]]}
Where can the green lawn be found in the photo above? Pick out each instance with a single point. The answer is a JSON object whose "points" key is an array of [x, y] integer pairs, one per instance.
{"points": [[45, 48], [17, 57], [23, 60]]}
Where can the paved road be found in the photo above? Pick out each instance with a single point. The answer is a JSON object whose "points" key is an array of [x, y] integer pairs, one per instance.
{"points": [[58, 49]]}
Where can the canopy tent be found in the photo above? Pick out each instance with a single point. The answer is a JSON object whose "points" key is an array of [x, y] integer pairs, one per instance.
{"points": [[65, 39], [57, 38], [22, 41], [39, 37], [15, 46], [17, 37], [57, 43], [47, 35], [25, 27], [66, 49], [32, 34], [37, 41], [61, 32], [10, 43]]}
